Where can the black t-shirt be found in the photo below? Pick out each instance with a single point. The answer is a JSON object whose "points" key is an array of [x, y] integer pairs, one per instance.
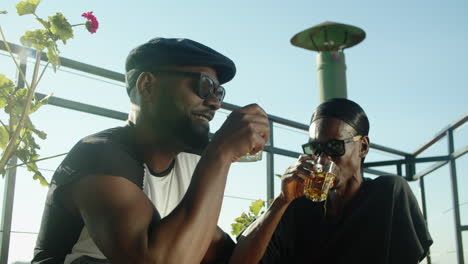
{"points": [[385, 227], [110, 152]]}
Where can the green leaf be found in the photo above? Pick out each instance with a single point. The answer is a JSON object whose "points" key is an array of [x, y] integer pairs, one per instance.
{"points": [[256, 206], [28, 125], [16, 105], [4, 137], [244, 215], [30, 142], [6, 85], [22, 154], [60, 27], [32, 166], [247, 218], [236, 228], [21, 94], [3, 102], [36, 39], [41, 134], [27, 7], [53, 56], [6, 88], [241, 220], [38, 176]]}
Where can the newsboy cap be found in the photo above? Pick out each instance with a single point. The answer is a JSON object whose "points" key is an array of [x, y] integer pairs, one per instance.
{"points": [[161, 52]]}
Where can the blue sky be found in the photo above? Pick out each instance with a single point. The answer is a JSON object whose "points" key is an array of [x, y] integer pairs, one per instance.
{"points": [[409, 74]]}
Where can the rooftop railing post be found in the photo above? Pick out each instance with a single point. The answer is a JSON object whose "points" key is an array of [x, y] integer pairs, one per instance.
{"points": [[399, 171], [424, 208], [456, 204], [10, 181], [270, 168], [8, 197], [410, 167]]}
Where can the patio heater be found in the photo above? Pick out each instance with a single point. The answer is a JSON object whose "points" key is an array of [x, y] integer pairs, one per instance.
{"points": [[329, 39]]}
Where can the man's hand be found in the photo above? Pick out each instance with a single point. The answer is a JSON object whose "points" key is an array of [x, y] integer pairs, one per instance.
{"points": [[292, 181], [246, 130]]}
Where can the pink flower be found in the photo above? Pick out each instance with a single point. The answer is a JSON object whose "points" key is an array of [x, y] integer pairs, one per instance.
{"points": [[91, 23]]}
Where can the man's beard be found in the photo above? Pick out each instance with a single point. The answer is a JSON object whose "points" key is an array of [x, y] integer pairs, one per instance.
{"points": [[195, 138]]}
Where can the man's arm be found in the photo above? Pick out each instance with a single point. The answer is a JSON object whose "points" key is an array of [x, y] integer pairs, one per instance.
{"points": [[220, 249], [255, 239], [127, 228]]}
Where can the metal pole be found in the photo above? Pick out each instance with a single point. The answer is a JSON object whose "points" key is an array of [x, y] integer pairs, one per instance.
{"points": [[270, 168], [410, 167], [10, 181], [8, 197], [423, 201], [456, 204], [331, 75]]}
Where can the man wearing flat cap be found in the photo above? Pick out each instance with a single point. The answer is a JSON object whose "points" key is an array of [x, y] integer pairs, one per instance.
{"points": [[151, 191]]}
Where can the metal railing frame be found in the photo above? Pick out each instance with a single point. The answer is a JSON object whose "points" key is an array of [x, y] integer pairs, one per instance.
{"points": [[408, 161]]}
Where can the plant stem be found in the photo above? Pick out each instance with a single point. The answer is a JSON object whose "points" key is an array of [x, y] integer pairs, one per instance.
{"points": [[43, 71], [13, 57], [11, 146], [37, 65], [5, 126], [21, 137], [82, 24]]}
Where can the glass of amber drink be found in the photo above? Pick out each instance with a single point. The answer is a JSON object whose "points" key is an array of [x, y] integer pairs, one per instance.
{"points": [[253, 157], [316, 189]]}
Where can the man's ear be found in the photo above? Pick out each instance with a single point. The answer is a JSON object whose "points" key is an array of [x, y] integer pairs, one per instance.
{"points": [[365, 145], [144, 85]]}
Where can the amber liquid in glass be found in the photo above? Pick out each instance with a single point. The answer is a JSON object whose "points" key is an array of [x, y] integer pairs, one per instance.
{"points": [[317, 189]]}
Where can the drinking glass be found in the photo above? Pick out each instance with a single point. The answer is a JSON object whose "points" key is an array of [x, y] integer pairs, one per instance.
{"points": [[316, 189]]}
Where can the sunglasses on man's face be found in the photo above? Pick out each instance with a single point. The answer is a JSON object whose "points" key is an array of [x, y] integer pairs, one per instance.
{"points": [[206, 85], [334, 147]]}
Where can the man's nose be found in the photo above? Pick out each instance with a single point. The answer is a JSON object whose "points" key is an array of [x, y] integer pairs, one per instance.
{"points": [[213, 102], [323, 159]]}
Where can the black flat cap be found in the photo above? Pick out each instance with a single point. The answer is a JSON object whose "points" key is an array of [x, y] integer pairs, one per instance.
{"points": [[161, 52]]}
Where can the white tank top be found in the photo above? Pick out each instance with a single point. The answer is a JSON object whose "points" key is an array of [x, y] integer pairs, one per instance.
{"points": [[165, 192]]}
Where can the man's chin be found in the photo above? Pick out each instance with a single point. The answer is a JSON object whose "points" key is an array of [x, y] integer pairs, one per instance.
{"points": [[198, 140]]}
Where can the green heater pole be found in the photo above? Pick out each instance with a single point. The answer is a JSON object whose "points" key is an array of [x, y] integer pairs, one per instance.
{"points": [[331, 70], [329, 39]]}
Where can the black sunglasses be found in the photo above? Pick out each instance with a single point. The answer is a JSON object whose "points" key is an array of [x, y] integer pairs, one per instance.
{"points": [[206, 85], [334, 147]]}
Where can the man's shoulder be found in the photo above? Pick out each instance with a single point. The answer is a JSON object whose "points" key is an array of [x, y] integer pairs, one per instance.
{"points": [[389, 180], [112, 135], [391, 183], [109, 152], [106, 142]]}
